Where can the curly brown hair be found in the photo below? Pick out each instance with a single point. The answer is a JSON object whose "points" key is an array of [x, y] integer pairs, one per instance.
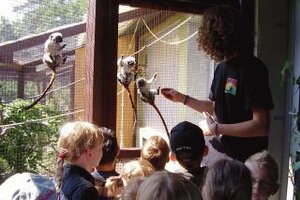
{"points": [[220, 34]]}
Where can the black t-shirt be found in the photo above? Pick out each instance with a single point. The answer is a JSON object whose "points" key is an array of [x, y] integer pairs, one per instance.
{"points": [[238, 86]]}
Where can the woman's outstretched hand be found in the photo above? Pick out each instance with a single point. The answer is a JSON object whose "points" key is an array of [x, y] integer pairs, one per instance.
{"points": [[172, 94]]}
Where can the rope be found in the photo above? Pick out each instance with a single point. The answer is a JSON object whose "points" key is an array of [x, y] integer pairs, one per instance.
{"points": [[41, 119], [135, 30], [169, 43], [59, 88], [159, 38]]}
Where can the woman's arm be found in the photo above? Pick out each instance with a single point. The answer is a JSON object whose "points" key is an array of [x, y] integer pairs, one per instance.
{"points": [[258, 126], [198, 105]]}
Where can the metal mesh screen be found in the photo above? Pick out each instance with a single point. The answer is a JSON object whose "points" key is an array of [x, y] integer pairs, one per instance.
{"points": [[28, 138], [162, 42]]}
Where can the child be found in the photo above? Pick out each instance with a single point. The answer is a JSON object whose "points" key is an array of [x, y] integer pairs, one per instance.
{"points": [[28, 186], [166, 185], [137, 168], [227, 179], [156, 151], [80, 148], [111, 149], [264, 172], [188, 148], [131, 189]]}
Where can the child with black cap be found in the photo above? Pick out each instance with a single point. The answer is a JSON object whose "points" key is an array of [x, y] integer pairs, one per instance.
{"points": [[188, 148]]}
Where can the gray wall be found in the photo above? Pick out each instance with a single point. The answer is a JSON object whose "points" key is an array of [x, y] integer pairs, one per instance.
{"points": [[272, 29]]}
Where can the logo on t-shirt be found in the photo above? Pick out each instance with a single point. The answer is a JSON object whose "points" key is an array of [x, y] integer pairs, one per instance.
{"points": [[230, 87]]}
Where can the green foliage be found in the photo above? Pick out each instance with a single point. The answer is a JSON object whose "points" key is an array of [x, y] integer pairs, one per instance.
{"points": [[286, 71], [40, 16], [25, 146], [8, 30], [43, 15], [8, 90], [4, 169]]}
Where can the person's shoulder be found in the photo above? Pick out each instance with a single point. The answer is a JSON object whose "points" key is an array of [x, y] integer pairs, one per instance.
{"points": [[254, 66], [256, 63]]}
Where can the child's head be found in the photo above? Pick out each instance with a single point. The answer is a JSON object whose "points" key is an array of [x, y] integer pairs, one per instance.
{"points": [[156, 151], [227, 179], [264, 172], [28, 186], [137, 168], [79, 143], [131, 189], [76, 138], [110, 146], [187, 144], [167, 185]]}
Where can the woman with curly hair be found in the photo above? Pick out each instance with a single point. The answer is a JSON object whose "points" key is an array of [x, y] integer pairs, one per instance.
{"points": [[240, 99]]}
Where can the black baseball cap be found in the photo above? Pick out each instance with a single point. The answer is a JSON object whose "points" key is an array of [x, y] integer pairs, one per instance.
{"points": [[187, 139]]}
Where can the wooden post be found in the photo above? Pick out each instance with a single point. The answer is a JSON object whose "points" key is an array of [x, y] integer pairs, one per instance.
{"points": [[21, 84], [101, 62]]}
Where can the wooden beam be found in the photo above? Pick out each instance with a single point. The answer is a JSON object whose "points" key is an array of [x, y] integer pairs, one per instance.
{"points": [[101, 62], [67, 31], [189, 6], [137, 13], [127, 153], [37, 39]]}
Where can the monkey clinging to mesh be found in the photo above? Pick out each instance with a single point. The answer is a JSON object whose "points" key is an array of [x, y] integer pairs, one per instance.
{"points": [[143, 88], [126, 70], [53, 58]]}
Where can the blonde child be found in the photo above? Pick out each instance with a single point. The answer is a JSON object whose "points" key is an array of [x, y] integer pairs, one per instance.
{"points": [[137, 168], [156, 150], [79, 152]]}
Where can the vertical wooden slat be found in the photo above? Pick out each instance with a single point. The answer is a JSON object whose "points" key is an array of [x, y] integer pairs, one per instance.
{"points": [[101, 57], [21, 84], [72, 90]]}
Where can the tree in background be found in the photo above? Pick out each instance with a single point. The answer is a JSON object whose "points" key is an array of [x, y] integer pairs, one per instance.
{"points": [[8, 30], [40, 16]]}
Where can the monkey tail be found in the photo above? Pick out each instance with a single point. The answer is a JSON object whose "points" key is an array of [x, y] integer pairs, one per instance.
{"points": [[161, 117], [45, 91]]}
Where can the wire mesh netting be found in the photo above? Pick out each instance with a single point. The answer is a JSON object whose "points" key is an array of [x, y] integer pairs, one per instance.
{"points": [[162, 42], [28, 138]]}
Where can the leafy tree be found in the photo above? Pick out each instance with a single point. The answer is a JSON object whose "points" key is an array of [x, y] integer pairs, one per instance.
{"points": [[8, 30], [43, 15], [40, 16], [26, 147]]}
